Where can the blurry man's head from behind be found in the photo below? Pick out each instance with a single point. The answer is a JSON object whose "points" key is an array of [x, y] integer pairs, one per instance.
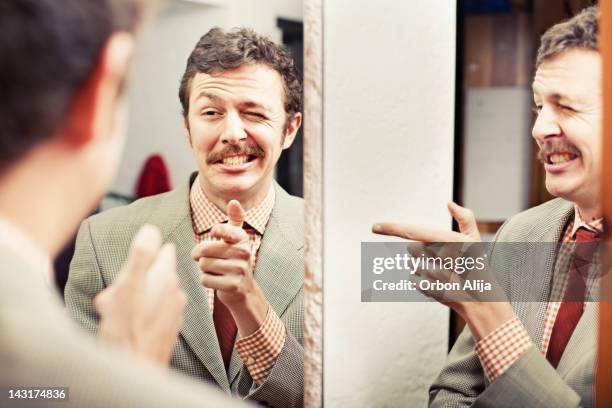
{"points": [[568, 99], [62, 69], [242, 99]]}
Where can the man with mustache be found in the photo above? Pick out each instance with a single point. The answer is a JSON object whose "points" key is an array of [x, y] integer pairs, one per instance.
{"points": [[238, 234], [538, 351]]}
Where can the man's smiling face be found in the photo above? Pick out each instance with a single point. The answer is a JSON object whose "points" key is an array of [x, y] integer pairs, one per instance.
{"points": [[238, 128], [567, 95]]}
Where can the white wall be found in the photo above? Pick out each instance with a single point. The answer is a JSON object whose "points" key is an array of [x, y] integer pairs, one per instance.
{"points": [[496, 186], [155, 121], [388, 155]]}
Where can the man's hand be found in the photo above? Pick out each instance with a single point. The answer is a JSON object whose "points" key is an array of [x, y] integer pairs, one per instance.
{"points": [[463, 216], [142, 311], [481, 316], [227, 267]]}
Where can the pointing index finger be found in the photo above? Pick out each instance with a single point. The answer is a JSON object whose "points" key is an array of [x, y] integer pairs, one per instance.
{"points": [[415, 233]]}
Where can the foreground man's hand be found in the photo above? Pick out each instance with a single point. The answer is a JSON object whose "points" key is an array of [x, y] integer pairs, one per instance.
{"points": [[482, 317], [142, 311], [227, 266]]}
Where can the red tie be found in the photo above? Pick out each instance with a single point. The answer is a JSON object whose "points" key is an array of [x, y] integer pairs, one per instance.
{"points": [[225, 328], [573, 299]]}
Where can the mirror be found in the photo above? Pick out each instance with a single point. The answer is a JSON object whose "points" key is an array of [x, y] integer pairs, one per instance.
{"points": [[419, 100]]}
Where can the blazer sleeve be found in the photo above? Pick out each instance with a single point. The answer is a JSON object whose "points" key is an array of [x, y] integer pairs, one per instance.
{"points": [[284, 387], [529, 381], [462, 379], [84, 281]]}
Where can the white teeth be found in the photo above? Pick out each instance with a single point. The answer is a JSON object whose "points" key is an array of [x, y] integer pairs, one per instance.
{"points": [[557, 158], [235, 160]]}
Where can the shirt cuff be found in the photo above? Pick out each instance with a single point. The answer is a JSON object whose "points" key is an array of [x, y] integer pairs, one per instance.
{"points": [[259, 350], [502, 347]]}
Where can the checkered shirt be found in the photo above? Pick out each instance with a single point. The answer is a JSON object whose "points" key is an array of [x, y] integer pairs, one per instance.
{"points": [[503, 346], [259, 350]]}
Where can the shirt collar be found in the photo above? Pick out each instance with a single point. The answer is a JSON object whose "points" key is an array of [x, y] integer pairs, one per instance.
{"points": [[205, 214], [17, 241], [593, 225]]}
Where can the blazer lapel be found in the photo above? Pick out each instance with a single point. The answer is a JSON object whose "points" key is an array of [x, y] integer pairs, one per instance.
{"points": [[582, 341], [540, 259], [279, 271], [173, 216]]}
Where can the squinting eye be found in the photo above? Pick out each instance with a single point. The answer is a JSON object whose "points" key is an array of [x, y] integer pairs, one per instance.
{"points": [[567, 108], [256, 115], [536, 109]]}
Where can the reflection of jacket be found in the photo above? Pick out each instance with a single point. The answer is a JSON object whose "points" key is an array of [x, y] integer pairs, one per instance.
{"points": [[102, 247], [41, 347], [531, 381]]}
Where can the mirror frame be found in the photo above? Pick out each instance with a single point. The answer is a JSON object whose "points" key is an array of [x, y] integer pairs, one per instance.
{"points": [[313, 198]]}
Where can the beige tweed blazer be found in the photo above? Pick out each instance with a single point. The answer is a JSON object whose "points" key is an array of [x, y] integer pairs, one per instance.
{"points": [[102, 247], [531, 381]]}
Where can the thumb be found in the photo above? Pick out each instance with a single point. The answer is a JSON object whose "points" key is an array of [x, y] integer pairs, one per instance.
{"points": [[235, 213], [466, 220]]}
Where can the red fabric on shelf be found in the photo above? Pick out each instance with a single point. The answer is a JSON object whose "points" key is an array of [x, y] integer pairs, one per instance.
{"points": [[154, 177]]}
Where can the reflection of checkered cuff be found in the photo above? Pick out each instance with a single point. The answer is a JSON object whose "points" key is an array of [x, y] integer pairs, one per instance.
{"points": [[260, 350], [502, 347]]}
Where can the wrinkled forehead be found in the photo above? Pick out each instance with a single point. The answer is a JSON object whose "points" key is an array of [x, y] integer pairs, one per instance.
{"points": [[574, 74], [253, 83]]}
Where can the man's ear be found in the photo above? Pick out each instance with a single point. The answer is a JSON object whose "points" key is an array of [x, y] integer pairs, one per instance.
{"points": [[292, 127], [186, 124], [93, 110]]}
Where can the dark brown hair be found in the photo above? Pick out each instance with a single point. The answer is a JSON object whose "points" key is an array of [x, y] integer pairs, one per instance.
{"points": [[48, 49], [581, 31], [218, 51]]}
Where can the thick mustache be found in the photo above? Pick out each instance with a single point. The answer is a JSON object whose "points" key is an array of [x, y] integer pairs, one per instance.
{"points": [[558, 146], [234, 150]]}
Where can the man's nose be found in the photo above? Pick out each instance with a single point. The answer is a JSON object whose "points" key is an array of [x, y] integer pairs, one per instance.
{"points": [[233, 129], [546, 125]]}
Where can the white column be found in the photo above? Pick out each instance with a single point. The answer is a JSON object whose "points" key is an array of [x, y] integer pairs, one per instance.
{"points": [[389, 80]]}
